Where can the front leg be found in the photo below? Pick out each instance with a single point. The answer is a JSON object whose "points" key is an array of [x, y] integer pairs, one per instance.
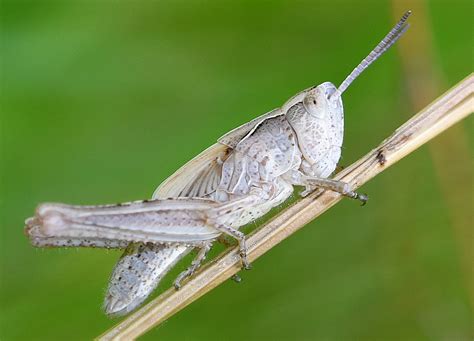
{"points": [[338, 186], [312, 182]]}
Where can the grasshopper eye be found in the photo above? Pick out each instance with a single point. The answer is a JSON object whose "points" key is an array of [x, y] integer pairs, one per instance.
{"points": [[311, 105]]}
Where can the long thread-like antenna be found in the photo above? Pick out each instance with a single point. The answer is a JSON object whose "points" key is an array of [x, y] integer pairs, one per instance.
{"points": [[383, 46]]}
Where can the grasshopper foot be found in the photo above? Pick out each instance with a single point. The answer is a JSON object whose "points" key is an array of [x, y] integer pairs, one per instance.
{"points": [[363, 198], [177, 285], [236, 278], [179, 279], [245, 263], [243, 253]]}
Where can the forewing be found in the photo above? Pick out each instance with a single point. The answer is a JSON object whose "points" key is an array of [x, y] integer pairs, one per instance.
{"points": [[198, 177]]}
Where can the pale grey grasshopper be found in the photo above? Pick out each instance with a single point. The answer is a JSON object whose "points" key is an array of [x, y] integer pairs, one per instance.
{"points": [[249, 171]]}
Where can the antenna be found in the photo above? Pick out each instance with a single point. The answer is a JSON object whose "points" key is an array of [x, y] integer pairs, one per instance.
{"points": [[392, 36]]}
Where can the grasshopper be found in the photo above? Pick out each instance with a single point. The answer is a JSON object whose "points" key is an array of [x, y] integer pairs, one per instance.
{"points": [[251, 169]]}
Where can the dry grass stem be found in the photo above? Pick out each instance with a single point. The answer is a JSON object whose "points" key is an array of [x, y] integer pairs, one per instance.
{"points": [[453, 106]]}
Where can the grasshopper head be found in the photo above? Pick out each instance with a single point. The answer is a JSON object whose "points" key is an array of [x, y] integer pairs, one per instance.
{"points": [[318, 101]]}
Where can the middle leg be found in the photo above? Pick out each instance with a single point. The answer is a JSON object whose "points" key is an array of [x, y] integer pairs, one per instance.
{"points": [[242, 244]]}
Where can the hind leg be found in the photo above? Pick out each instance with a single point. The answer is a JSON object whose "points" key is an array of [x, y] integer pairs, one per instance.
{"points": [[186, 221]]}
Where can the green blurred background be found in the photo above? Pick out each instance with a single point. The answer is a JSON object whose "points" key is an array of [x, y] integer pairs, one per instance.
{"points": [[102, 100]]}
